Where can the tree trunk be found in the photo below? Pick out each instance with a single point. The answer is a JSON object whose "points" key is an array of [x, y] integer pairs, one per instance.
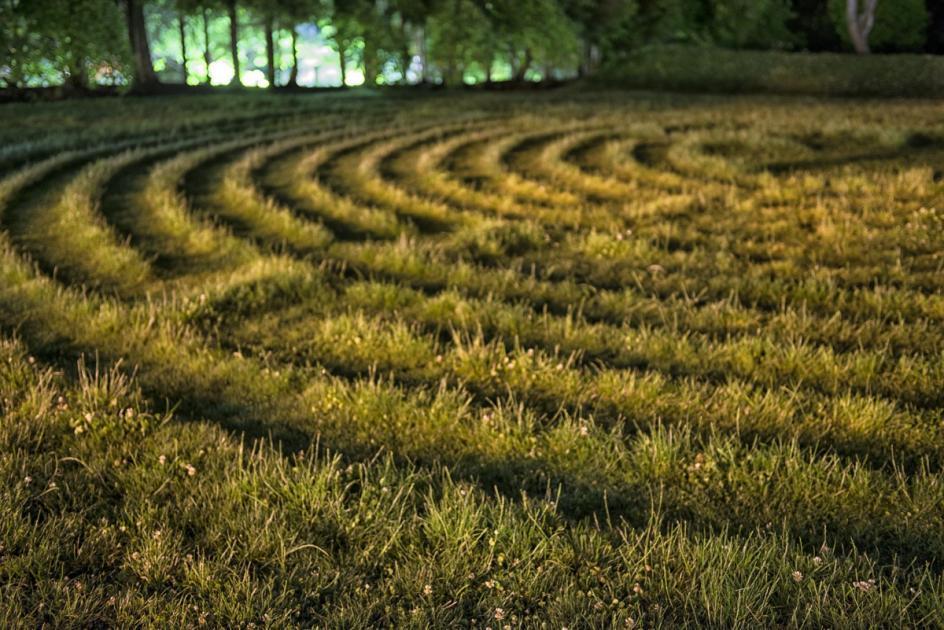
{"points": [[860, 24], [453, 73], [585, 69], [404, 64], [181, 23], [424, 55], [449, 76], [523, 68], [270, 51], [144, 75], [207, 57], [234, 41], [370, 64], [78, 77], [293, 77], [341, 54], [405, 56]]}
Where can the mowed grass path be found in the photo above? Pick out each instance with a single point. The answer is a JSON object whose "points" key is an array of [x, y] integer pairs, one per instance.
{"points": [[544, 360]]}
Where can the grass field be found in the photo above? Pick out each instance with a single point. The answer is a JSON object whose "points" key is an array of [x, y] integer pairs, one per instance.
{"points": [[546, 360]]}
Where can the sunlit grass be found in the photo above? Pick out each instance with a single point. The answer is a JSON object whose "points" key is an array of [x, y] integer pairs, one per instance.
{"points": [[570, 359]]}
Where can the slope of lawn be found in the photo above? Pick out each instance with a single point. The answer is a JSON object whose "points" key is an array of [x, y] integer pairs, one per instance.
{"points": [[588, 359]]}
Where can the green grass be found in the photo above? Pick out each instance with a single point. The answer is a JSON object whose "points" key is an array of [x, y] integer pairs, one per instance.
{"points": [[569, 359], [709, 69]]}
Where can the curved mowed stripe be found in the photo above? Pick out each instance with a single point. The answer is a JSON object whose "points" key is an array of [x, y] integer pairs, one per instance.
{"points": [[556, 290]]}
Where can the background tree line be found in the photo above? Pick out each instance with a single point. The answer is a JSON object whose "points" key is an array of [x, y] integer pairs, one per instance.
{"points": [[81, 42]]}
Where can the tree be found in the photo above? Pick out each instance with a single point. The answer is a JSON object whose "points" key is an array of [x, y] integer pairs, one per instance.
{"points": [[343, 27], [21, 42], [233, 40], [860, 23], [144, 75], [76, 42], [202, 8], [293, 74], [760, 24], [886, 26], [372, 33], [812, 26], [293, 12], [182, 27], [533, 32], [271, 13], [408, 22], [81, 40], [415, 15], [207, 54], [453, 29], [604, 27], [667, 21]]}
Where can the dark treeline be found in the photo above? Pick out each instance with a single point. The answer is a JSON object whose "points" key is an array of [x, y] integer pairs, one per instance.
{"points": [[84, 42]]}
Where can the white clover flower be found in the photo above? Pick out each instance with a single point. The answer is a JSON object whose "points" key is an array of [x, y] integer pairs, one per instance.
{"points": [[865, 585]]}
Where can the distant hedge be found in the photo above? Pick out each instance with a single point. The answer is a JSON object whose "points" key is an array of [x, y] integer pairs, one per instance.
{"points": [[704, 69]]}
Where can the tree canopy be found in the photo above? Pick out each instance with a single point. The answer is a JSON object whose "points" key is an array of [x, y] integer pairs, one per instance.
{"points": [[141, 42]]}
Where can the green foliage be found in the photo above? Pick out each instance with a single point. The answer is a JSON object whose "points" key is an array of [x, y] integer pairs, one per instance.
{"points": [[536, 34], [459, 35], [727, 23], [89, 37], [537, 31], [81, 40], [663, 21], [21, 43], [342, 25], [900, 25], [752, 23], [454, 41]]}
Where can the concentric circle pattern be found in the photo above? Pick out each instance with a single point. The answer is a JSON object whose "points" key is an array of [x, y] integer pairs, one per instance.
{"points": [[605, 293]]}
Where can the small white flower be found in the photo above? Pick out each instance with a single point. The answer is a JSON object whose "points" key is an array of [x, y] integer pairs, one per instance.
{"points": [[864, 585]]}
